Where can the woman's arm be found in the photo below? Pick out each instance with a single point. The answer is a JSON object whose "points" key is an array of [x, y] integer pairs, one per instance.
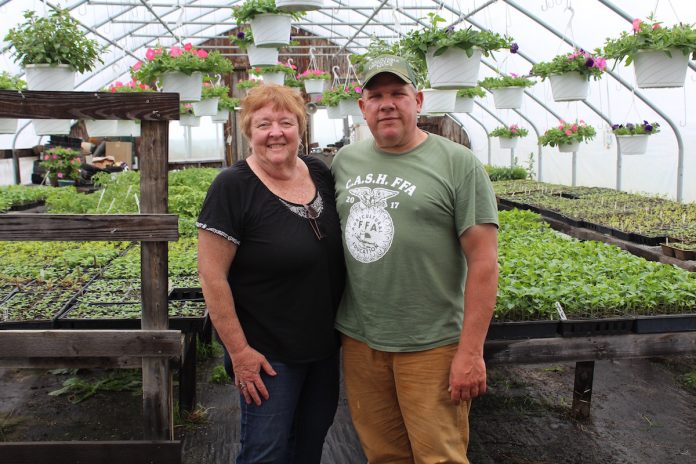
{"points": [[215, 255]]}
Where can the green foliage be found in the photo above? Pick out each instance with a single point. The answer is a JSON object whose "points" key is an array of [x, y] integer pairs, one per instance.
{"points": [[251, 8], [248, 84], [689, 379], [130, 87], [640, 128], [509, 132], [63, 163], [471, 92], [55, 39], [228, 103], [242, 39], [313, 74], [18, 195], [10, 82], [290, 81], [280, 67], [79, 389], [420, 42], [219, 375], [207, 350], [567, 132], [585, 63], [498, 173], [512, 80], [333, 97], [651, 36], [212, 91], [186, 60]]}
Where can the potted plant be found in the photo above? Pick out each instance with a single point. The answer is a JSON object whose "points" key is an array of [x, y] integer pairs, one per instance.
{"points": [[274, 74], [248, 84], [348, 97], [112, 127], [660, 54], [570, 74], [438, 101], [633, 138], [61, 164], [507, 90], [10, 82], [269, 24], [52, 49], [452, 56], [180, 69], [464, 103], [299, 5], [331, 99], [186, 116], [226, 105], [567, 136], [210, 97], [295, 84], [258, 56], [314, 80], [508, 136]]}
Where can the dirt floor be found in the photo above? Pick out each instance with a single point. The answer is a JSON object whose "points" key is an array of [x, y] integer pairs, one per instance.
{"points": [[642, 412]]}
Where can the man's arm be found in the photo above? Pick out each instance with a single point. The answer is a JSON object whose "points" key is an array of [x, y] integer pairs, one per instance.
{"points": [[468, 370]]}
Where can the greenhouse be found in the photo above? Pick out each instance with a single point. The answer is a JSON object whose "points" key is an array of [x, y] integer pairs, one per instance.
{"points": [[121, 119]]}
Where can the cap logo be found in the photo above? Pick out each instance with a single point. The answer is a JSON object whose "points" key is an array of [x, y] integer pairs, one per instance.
{"points": [[385, 61]]}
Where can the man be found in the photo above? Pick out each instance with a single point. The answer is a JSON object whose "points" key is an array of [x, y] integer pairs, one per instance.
{"points": [[416, 211]]}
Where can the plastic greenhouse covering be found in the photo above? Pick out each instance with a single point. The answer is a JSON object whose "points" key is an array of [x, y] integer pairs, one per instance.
{"points": [[541, 28]]}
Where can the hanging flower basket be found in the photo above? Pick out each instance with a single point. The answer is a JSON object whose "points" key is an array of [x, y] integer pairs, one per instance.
{"points": [[188, 87], [51, 126], [189, 120], [656, 69], [570, 86], [59, 78], [453, 69], [271, 30], [509, 135], [464, 102], [567, 135], [101, 127], [207, 107], [508, 97], [632, 144], [299, 5], [314, 86], [262, 56], [438, 101], [221, 116], [569, 147], [277, 78], [8, 126], [349, 107], [334, 112], [508, 142]]}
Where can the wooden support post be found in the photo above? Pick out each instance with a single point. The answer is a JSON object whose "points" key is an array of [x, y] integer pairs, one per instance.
{"points": [[157, 376], [187, 374], [582, 391]]}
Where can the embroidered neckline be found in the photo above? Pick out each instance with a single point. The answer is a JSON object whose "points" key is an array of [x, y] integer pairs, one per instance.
{"points": [[317, 204]]}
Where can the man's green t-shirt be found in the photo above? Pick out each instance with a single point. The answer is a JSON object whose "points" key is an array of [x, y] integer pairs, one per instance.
{"points": [[401, 218]]}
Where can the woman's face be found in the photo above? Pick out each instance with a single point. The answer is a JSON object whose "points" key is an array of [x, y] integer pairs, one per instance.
{"points": [[275, 135]]}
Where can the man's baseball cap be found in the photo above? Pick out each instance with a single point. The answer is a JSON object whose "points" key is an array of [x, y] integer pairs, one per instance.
{"points": [[388, 64]]}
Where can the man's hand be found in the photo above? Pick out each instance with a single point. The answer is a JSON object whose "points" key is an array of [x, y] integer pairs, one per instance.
{"points": [[467, 377]]}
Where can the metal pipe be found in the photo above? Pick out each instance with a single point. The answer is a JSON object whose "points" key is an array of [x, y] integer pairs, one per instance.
{"points": [[152, 12], [374, 13], [476, 120]]}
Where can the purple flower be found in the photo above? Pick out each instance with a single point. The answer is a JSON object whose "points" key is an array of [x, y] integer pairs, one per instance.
{"points": [[450, 29], [647, 127], [240, 35], [615, 126], [589, 62], [514, 47], [630, 126]]}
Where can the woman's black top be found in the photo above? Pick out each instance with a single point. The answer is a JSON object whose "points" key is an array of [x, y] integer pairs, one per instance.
{"points": [[286, 283]]}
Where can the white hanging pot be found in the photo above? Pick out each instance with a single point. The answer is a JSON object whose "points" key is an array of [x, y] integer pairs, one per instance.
{"points": [[632, 144], [349, 108], [463, 105], [438, 101], [508, 97], [189, 120], [59, 77], [299, 5], [207, 107], [655, 69], [258, 56], [277, 78], [221, 116], [334, 112], [8, 126], [51, 126], [188, 87], [271, 30], [101, 127], [570, 86], [314, 86], [569, 147], [453, 69], [508, 142]]}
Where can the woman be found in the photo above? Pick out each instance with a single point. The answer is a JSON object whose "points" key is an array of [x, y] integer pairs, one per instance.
{"points": [[270, 261]]}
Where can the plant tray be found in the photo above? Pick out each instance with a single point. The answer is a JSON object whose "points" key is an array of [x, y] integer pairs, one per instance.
{"points": [[684, 255], [591, 327], [522, 330], [645, 239], [26, 206], [666, 323], [186, 293]]}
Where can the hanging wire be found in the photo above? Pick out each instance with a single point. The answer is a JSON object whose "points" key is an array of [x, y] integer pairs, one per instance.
{"points": [[312, 60], [336, 77], [350, 71]]}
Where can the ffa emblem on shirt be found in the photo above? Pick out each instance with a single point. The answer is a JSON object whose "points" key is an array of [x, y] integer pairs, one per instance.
{"points": [[369, 229]]}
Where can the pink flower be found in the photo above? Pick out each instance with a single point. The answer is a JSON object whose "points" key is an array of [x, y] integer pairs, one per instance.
{"points": [[513, 75], [150, 54], [561, 121], [358, 89], [568, 132], [188, 47], [131, 84], [60, 175], [513, 130], [46, 157], [600, 63], [636, 24], [176, 52], [55, 157], [137, 65], [656, 26], [202, 54], [582, 121], [574, 127], [118, 84]]}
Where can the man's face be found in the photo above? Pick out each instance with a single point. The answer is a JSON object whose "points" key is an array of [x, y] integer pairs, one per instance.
{"points": [[390, 108]]}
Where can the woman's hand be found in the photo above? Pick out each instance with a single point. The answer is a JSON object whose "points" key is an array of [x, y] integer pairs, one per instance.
{"points": [[247, 364]]}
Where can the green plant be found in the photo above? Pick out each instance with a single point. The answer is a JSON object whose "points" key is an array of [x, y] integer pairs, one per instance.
{"points": [[509, 132], [290, 81], [55, 39], [644, 128], [498, 173], [242, 39], [186, 60], [248, 84], [228, 103], [313, 74], [130, 87], [471, 92], [651, 36], [585, 63], [251, 8], [186, 109], [689, 380], [567, 132], [10, 82], [79, 390], [211, 91], [286, 68], [63, 163], [219, 375], [513, 80], [420, 42]]}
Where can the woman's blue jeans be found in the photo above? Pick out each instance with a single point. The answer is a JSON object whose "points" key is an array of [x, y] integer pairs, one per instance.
{"points": [[291, 425]]}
